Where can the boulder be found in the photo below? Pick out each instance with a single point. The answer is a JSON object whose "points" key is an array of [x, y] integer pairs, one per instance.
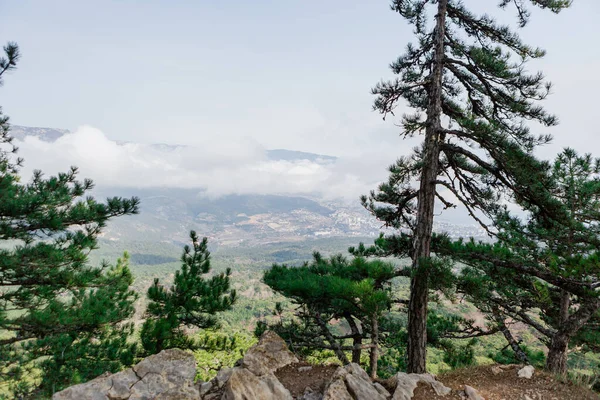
{"points": [[168, 375], [205, 388], [270, 354], [472, 393], [526, 372], [496, 370], [357, 371], [407, 383], [223, 376], [354, 382], [382, 391], [362, 389], [336, 390], [244, 385], [310, 394]]}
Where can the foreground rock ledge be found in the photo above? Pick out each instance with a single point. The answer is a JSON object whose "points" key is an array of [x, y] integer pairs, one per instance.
{"points": [[167, 375], [170, 374]]}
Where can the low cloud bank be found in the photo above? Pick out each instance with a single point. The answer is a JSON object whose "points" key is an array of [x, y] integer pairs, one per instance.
{"points": [[221, 167]]}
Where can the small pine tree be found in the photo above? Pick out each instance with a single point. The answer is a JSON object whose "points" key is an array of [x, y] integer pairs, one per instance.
{"points": [[78, 356], [326, 290], [191, 301], [57, 312]]}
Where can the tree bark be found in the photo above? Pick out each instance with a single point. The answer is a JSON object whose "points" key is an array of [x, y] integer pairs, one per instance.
{"points": [[356, 339], [512, 342], [417, 308], [374, 355], [556, 361], [565, 303], [334, 344], [557, 354], [559, 342]]}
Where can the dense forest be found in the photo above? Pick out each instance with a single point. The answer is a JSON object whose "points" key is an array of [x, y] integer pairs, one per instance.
{"points": [[412, 300]]}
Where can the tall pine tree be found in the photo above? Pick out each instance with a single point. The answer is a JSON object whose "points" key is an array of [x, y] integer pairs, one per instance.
{"points": [[466, 80], [61, 319]]}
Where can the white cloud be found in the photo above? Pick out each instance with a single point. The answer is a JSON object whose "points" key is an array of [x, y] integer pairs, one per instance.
{"points": [[223, 166]]}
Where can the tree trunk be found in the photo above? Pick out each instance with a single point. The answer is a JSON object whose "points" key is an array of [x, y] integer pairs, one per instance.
{"points": [[356, 339], [419, 287], [334, 344], [512, 342], [559, 342], [374, 356], [565, 303], [557, 354], [556, 362]]}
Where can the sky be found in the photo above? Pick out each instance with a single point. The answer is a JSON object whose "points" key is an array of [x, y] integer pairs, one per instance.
{"points": [[244, 76]]}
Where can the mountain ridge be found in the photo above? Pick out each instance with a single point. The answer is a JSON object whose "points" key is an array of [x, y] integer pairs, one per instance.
{"points": [[236, 219], [50, 135]]}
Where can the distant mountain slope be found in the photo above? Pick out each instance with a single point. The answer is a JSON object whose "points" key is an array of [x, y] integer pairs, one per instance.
{"points": [[291, 155], [45, 134], [52, 134], [168, 214]]}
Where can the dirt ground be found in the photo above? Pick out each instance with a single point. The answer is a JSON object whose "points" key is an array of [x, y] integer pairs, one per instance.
{"points": [[505, 385], [297, 377]]}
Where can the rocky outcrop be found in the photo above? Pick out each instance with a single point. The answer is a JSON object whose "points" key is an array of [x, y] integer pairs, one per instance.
{"points": [[254, 378], [269, 355], [168, 375]]}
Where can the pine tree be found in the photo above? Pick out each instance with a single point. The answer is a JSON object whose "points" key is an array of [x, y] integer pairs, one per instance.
{"points": [[466, 79], [191, 301], [325, 290], [544, 273], [7, 63], [105, 342], [57, 312]]}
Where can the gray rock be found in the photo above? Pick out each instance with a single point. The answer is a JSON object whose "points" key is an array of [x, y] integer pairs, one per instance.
{"points": [[526, 372], [362, 389], [223, 376], [244, 385], [357, 371], [382, 391], [339, 373], [496, 370], [270, 354], [279, 391], [472, 393], [205, 388], [336, 390], [310, 394], [352, 382], [168, 375], [407, 383], [122, 383], [405, 386]]}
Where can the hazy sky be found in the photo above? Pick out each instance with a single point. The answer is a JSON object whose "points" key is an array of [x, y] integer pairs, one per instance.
{"points": [[275, 74]]}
